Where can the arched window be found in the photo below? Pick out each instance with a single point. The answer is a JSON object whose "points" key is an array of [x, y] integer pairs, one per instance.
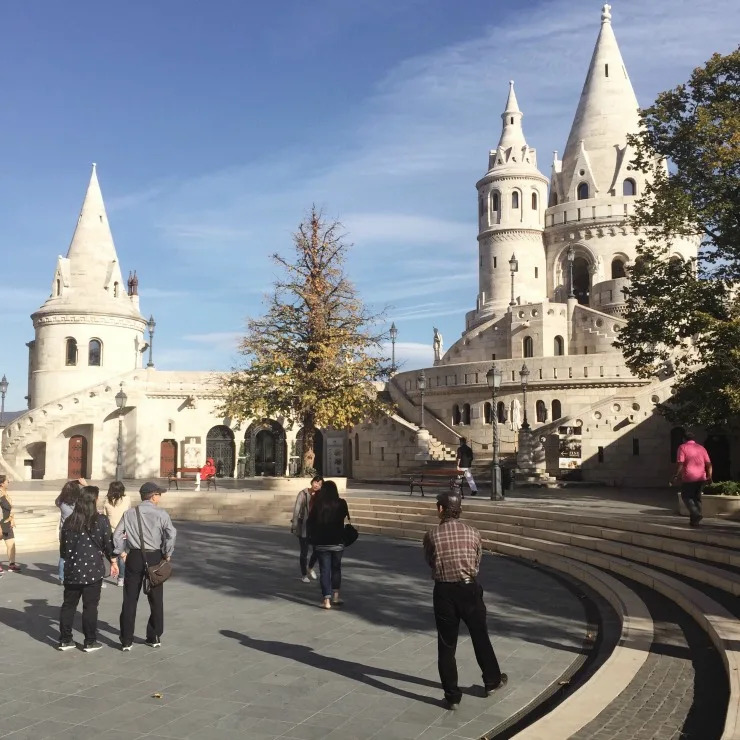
{"points": [[59, 287], [557, 410], [583, 191], [482, 208], [629, 187], [496, 202], [559, 346], [528, 347], [618, 270], [515, 199], [541, 411], [455, 415], [487, 412], [466, 414], [534, 201], [553, 198], [501, 412], [115, 290], [95, 353], [357, 446], [70, 352]]}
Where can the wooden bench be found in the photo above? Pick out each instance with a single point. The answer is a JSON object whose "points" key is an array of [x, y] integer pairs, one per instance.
{"points": [[189, 474], [446, 478]]}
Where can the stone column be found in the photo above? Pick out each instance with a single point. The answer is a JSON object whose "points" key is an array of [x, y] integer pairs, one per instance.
{"points": [[422, 445]]}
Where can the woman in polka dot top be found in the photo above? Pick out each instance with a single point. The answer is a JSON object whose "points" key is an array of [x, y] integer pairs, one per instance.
{"points": [[86, 542]]}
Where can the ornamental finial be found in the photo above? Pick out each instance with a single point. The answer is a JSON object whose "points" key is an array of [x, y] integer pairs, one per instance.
{"points": [[606, 13]]}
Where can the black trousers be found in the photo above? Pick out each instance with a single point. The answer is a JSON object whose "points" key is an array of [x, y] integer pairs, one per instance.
{"points": [[132, 583], [90, 595], [453, 602], [306, 564], [691, 495]]}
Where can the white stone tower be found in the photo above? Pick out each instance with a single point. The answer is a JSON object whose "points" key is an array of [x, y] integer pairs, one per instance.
{"points": [[90, 328], [511, 209]]}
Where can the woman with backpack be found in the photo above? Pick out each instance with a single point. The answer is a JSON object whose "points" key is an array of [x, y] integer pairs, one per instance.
{"points": [[86, 543], [299, 523]]}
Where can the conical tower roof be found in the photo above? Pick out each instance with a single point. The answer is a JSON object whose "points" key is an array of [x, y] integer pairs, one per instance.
{"points": [[512, 134], [607, 110]]}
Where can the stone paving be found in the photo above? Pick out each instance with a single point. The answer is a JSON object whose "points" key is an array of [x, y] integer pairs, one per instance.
{"points": [[248, 653]]}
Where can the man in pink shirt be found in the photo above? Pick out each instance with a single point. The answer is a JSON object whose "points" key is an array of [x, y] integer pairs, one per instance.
{"points": [[694, 471]]}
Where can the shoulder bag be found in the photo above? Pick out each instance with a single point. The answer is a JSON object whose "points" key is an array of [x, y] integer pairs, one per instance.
{"points": [[153, 575]]}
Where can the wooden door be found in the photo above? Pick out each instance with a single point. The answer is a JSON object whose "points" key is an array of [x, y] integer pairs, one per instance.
{"points": [[77, 457], [167, 457]]}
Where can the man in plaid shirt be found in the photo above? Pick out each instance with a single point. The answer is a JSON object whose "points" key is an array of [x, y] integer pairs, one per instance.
{"points": [[453, 550]]}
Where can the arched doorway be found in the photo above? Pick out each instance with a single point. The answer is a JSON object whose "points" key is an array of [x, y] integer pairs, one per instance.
{"points": [[718, 447], [167, 457], [77, 457], [581, 280], [266, 445], [220, 446], [318, 449]]}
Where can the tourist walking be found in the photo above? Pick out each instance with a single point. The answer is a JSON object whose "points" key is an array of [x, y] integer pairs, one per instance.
{"points": [[65, 502], [299, 525], [464, 461], [326, 533], [117, 503], [453, 551], [693, 472], [86, 543], [159, 542], [7, 525]]}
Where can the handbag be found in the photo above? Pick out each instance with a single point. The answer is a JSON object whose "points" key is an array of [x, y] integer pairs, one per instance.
{"points": [[153, 575], [350, 535]]}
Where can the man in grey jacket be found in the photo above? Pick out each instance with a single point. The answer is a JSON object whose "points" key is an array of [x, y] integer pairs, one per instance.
{"points": [[298, 527], [159, 541]]}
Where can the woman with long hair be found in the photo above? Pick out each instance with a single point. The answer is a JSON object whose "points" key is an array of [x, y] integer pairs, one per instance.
{"points": [[7, 525], [117, 502], [86, 543], [66, 503], [325, 530]]}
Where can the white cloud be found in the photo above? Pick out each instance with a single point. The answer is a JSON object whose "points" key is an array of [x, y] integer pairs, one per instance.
{"points": [[224, 340], [410, 355]]}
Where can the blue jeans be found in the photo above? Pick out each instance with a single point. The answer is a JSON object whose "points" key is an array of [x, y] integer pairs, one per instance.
{"points": [[330, 564], [121, 567]]}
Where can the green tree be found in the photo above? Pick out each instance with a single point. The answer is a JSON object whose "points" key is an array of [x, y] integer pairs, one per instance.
{"points": [[684, 316], [316, 354]]}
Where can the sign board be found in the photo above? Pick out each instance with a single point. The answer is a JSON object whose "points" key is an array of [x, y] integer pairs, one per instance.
{"points": [[569, 448], [334, 456]]}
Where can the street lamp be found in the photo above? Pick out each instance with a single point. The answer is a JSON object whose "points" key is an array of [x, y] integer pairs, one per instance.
{"points": [[514, 267], [121, 399], [421, 384], [571, 257], [394, 336], [150, 325], [524, 375], [3, 390], [494, 377]]}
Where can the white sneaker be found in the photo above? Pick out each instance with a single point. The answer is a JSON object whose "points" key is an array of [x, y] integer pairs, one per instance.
{"points": [[312, 573], [120, 582], [306, 579]]}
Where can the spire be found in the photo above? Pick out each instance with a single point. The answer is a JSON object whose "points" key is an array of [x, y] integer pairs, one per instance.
{"points": [[512, 134], [607, 110]]}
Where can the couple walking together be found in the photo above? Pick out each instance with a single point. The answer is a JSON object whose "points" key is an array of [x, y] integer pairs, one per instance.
{"points": [[318, 521]]}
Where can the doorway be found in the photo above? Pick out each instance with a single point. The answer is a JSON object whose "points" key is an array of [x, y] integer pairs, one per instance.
{"points": [[220, 446], [264, 453], [581, 280], [77, 457], [167, 457], [718, 447]]}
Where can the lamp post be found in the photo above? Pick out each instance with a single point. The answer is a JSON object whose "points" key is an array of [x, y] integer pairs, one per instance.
{"points": [[524, 375], [150, 325], [571, 257], [421, 384], [394, 336], [514, 267], [3, 390], [493, 378], [121, 399]]}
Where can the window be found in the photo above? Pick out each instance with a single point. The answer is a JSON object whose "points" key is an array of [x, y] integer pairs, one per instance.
{"points": [[629, 187], [618, 270], [115, 290], [466, 414], [398, 459], [357, 447], [501, 412], [528, 347], [382, 454], [601, 454], [541, 411], [494, 263], [482, 207], [59, 287], [71, 351], [583, 191], [487, 412], [496, 202], [455, 415], [559, 346], [534, 201], [557, 410], [95, 353], [515, 199], [536, 272], [606, 70], [553, 198]]}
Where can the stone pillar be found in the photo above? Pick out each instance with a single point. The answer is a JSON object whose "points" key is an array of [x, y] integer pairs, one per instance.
{"points": [[422, 445]]}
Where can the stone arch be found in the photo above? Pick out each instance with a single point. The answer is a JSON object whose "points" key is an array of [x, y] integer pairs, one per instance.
{"points": [[221, 447], [541, 412], [271, 445], [559, 346], [465, 414], [619, 266], [501, 412], [629, 187], [487, 412], [585, 261], [456, 415], [557, 410], [527, 347], [95, 353], [70, 351]]}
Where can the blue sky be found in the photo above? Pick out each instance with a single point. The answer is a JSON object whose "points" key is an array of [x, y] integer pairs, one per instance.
{"points": [[216, 125]]}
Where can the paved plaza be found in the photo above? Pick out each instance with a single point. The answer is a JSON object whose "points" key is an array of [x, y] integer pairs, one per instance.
{"points": [[247, 652]]}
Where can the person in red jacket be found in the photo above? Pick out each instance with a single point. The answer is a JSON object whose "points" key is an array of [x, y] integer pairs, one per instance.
{"points": [[208, 470]]}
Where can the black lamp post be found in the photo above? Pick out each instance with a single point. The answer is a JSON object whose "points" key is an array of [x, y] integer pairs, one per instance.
{"points": [[494, 377], [150, 325], [394, 336], [121, 399], [514, 267], [421, 384], [524, 375], [3, 390], [571, 257]]}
